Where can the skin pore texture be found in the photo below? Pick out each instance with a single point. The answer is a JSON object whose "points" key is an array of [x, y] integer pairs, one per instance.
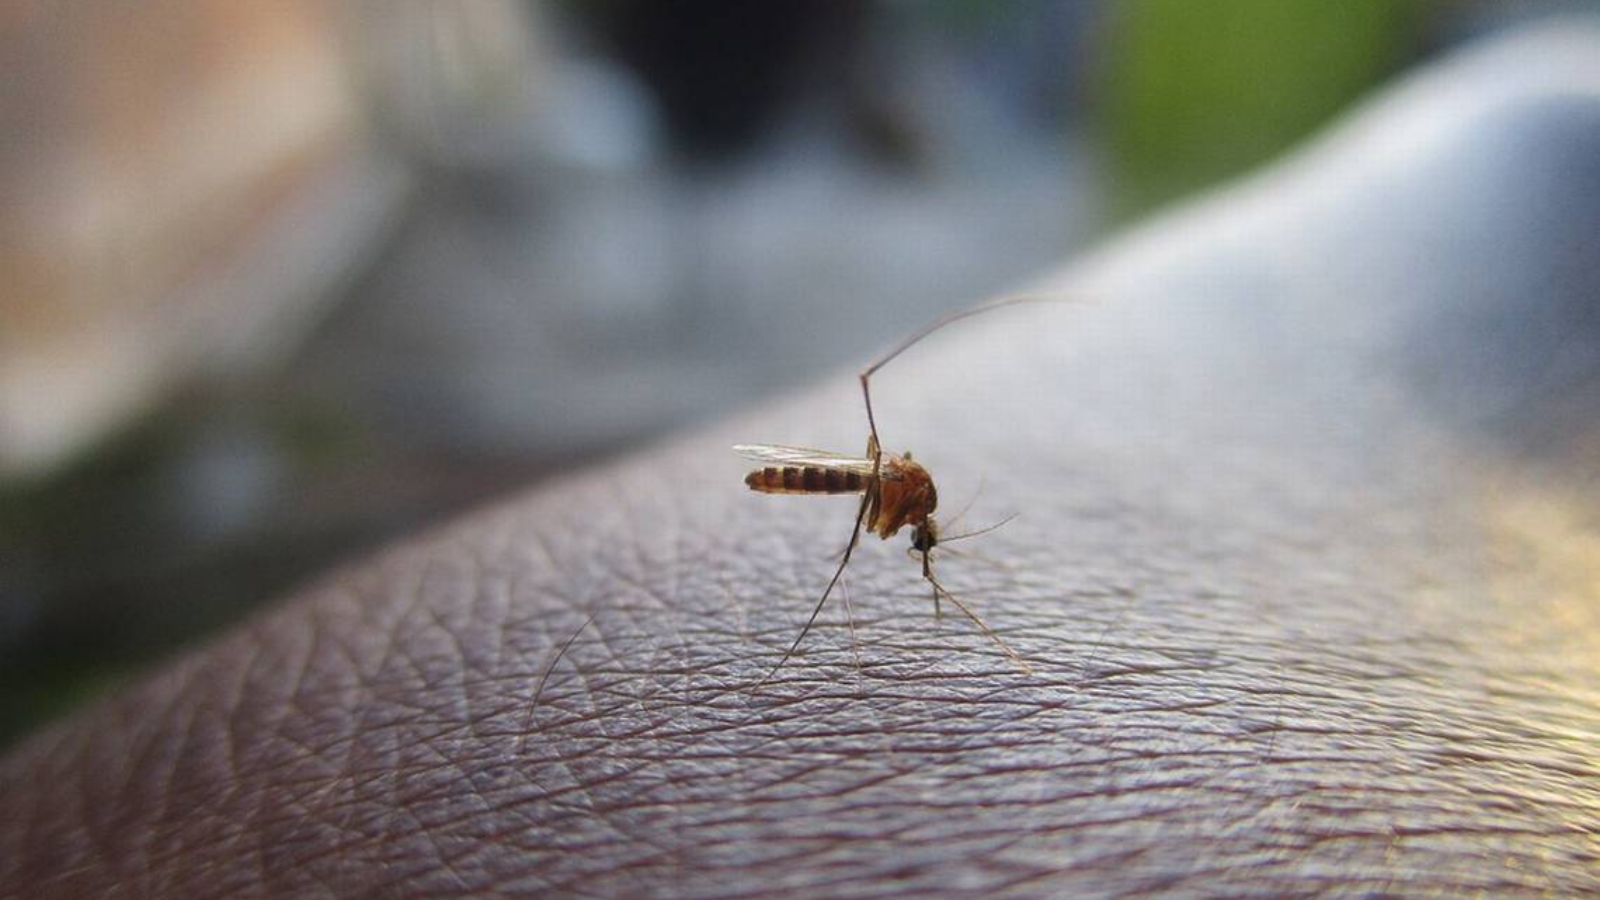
{"points": [[1307, 568]]}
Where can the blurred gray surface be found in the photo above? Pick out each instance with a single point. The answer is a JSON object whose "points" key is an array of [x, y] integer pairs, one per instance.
{"points": [[586, 310], [562, 282]]}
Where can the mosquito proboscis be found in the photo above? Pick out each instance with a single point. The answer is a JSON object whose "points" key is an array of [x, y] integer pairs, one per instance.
{"points": [[896, 491]]}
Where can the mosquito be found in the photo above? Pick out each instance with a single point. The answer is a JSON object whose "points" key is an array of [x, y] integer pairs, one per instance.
{"points": [[896, 491]]}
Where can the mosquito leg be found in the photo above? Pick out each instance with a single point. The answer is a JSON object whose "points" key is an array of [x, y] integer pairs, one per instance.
{"points": [[953, 317], [924, 331], [874, 446], [982, 626], [850, 622], [855, 538], [927, 572], [539, 690]]}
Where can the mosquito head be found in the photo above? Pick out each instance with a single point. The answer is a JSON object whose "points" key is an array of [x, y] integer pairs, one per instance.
{"points": [[925, 536]]}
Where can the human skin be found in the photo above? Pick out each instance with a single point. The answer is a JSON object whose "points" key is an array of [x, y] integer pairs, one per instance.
{"points": [[1306, 568]]}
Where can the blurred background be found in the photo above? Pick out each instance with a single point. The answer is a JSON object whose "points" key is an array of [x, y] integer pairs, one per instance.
{"points": [[282, 280]]}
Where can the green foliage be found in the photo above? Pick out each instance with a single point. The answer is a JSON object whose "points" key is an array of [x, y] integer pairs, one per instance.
{"points": [[1198, 91]]}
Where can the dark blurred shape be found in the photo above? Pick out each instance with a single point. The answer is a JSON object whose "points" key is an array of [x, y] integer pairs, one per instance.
{"points": [[725, 70]]}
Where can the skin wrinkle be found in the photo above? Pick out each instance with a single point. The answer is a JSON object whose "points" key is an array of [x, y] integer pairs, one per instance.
{"points": [[343, 801], [167, 749], [256, 820]]}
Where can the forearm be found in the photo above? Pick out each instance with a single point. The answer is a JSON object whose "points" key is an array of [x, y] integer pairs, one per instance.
{"points": [[1297, 628]]}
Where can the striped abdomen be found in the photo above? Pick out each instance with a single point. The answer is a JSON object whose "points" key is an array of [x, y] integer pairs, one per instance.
{"points": [[806, 480]]}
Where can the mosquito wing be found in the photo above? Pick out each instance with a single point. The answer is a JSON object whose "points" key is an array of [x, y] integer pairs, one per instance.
{"points": [[775, 455]]}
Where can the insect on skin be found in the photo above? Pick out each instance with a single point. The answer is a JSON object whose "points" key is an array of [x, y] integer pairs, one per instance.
{"points": [[895, 490]]}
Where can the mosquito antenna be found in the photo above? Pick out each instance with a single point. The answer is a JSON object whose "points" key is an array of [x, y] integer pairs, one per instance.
{"points": [[982, 626], [972, 534], [982, 481], [973, 554], [855, 538]]}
